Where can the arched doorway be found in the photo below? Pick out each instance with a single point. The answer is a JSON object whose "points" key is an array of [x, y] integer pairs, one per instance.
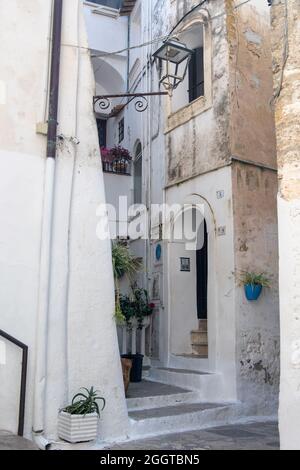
{"points": [[202, 272], [192, 282], [199, 337]]}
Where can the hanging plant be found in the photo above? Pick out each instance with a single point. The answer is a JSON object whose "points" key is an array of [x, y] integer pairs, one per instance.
{"points": [[253, 283], [124, 264]]}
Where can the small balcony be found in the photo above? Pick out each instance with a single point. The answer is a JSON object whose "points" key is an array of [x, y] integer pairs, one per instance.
{"points": [[118, 167], [116, 161]]}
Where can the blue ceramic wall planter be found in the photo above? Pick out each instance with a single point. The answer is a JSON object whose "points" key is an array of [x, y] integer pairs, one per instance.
{"points": [[253, 291]]}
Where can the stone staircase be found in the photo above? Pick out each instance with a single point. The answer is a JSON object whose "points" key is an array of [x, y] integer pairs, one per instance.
{"points": [[159, 408], [199, 340], [208, 386]]}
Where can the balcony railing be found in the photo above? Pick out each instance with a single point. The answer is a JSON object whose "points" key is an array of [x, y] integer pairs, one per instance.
{"points": [[117, 167]]}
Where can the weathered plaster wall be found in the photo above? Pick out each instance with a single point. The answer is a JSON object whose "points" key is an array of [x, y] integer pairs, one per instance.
{"points": [[252, 139], [252, 133], [202, 143], [82, 343], [286, 66], [256, 249], [240, 125]]}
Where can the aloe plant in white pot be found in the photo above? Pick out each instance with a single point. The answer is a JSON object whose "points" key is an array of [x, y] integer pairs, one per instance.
{"points": [[79, 421]]}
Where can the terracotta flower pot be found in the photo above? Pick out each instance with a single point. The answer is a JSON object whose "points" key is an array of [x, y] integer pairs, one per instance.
{"points": [[126, 367]]}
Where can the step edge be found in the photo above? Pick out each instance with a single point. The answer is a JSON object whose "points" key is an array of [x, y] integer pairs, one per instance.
{"points": [[186, 397], [192, 413], [137, 430]]}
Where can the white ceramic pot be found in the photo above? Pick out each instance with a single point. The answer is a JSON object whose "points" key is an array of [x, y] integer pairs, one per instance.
{"points": [[77, 428]]}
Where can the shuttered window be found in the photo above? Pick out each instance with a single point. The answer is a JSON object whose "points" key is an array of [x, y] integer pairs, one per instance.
{"points": [[196, 75]]}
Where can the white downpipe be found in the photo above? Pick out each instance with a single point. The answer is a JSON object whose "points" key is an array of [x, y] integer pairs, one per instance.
{"points": [[41, 442], [43, 303]]}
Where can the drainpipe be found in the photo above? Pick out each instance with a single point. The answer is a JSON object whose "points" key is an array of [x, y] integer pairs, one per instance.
{"points": [[128, 52], [46, 236]]}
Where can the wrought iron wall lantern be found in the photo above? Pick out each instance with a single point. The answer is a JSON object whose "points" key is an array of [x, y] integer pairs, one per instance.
{"points": [[104, 102], [177, 56]]}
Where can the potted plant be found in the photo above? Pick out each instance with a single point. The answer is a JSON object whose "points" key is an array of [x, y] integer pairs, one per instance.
{"points": [[124, 264], [105, 153], [126, 369], [78, 422], [121, 158], [253, 284], [136, 310]]}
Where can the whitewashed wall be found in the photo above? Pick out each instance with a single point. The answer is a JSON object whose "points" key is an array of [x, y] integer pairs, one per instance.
{"points": [[82, 342]]}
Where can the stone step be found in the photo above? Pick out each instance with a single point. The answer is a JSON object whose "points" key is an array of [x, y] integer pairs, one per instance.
{"points": [[199, 337], [188, 362], [209, 386], [146, 371], [149, 395], [203, 326], [9, 441], [200, 350], [183, 417]]}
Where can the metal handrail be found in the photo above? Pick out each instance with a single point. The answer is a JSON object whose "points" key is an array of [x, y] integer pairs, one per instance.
{"points": [[24, 348]]}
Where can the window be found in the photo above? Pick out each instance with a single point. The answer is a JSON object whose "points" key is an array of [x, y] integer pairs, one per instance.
{"points": [[194, 95], [196, 75], [121, 130], [102, 125], [109, 3], [138, 175]]}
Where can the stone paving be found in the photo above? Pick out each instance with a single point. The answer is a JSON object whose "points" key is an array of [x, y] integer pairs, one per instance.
{"points": [[10, 442], [251, 436], [146, 389]]}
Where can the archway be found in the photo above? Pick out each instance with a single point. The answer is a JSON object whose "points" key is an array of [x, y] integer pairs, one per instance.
{"points": [[191, 279], [199, 337]]}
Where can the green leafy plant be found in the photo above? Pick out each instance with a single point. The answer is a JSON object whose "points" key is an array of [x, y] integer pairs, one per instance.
{"points": [[136, 307], [85, 403], [253, 278], [124, 264]]}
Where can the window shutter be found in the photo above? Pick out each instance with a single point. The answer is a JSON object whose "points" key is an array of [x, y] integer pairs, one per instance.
{"points": [[196, 74]]}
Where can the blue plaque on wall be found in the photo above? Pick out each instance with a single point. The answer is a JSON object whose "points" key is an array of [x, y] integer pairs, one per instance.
{"points": [[158, 252]]}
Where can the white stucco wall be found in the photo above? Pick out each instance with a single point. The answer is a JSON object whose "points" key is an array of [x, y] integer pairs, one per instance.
{"points": [[82, 342], [289, 411], [287, 109], [182, 307], [106, 34]]}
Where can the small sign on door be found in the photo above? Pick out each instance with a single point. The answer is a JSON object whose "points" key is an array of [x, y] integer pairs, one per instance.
{"points": [[185, 265]]}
